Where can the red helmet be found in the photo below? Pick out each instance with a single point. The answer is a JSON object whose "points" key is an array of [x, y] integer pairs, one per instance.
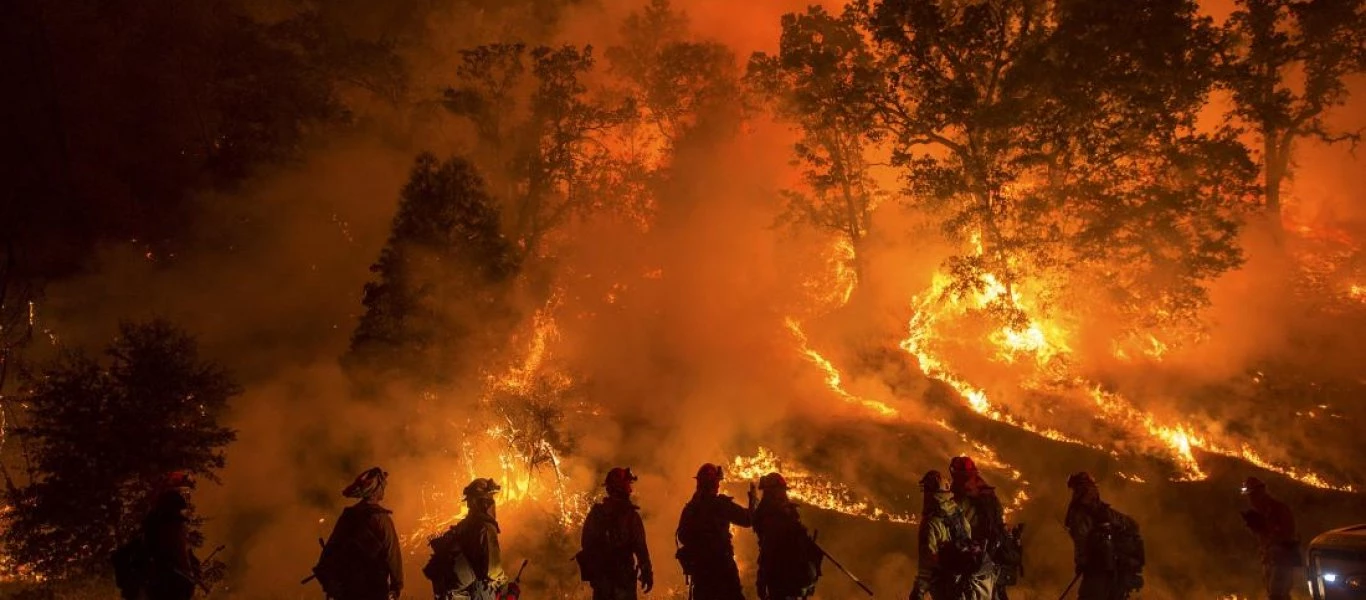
{"points": [[1252, 484], [962, 464], [179, 480], [1081, 479], [772, 481], [619, 478], [709, 473]]}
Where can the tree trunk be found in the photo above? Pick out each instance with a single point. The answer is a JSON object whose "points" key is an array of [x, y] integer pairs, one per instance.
{"points": [[1272, 176]]}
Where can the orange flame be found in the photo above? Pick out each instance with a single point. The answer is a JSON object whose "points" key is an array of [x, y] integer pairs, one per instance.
{"points": [[811, 489]]}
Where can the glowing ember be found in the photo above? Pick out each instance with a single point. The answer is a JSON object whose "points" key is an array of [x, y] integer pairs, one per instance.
{"points": [[811, 489]]}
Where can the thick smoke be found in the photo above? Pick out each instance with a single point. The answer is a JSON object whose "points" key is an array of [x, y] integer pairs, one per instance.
{"points": [[691, 361]]}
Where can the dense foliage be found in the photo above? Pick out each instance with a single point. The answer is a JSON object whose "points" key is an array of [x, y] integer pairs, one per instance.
{"points": [[102, 435]]}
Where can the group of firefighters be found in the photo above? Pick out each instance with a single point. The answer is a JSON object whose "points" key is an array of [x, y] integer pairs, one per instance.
{"points": [[966, 551]]}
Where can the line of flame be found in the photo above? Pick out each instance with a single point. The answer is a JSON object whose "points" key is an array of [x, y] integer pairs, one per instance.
{"points": [[1179, 441], [811, 489]]}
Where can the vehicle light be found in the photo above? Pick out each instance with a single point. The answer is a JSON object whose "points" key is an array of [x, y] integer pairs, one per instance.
{"points": [[1330, 577]]}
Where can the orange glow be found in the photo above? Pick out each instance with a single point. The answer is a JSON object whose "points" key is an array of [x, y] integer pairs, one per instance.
{"points": [[811, 489], [833, 380], [1045, 342]]}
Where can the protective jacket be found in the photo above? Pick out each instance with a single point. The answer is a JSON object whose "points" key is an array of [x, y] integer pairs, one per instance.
{"points": [[950, 562], [1274, 525], [361, 559], [1279, 547], [173, 568], [477, 536], [986, 518], [705, 551], [614, 551], [789, 561]]}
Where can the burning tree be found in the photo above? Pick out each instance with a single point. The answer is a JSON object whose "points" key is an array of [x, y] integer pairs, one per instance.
{"points": [[828, 83], [103, 436], [1287, 67], [1056, 141]]}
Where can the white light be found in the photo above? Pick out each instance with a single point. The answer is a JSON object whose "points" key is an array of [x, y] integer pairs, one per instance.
{"points": [[1330, 577]]}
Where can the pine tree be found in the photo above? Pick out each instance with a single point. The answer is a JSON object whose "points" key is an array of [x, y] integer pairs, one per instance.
{"points": [[441, 280]]}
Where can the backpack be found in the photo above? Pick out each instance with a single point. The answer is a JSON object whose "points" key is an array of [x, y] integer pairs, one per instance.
{"points": [[1010, 556], [132, 563], [689, 540], [1128, 544], [448, 568], [962, 556]]}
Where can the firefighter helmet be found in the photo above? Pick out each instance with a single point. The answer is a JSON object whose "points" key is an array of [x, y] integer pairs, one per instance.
{"points": [[619, 478], [1081, 479], [933, 482], [1252, 484], [962, 464], [483, 488], [369, 484], [772, 481], [179, 480], [709, 473]]}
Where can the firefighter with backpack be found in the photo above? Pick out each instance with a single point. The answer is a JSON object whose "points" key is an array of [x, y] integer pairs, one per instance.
{"points": [[159, 563], [952, 565], [986, 519], [362, 560], [1108, 548], [614, 554], [705, 549], [789, 560], [466, 561]]}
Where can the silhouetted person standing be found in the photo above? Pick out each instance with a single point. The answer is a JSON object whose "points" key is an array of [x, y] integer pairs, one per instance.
{"points": [[948, 557], [1274, 525], [789, 562], [614, 554], [705, 549], [362, 559], [173, 570], [1107, 549], [986, 519]]}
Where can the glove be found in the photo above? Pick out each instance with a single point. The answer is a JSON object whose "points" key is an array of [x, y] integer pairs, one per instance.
{"points": [[647, 580]]}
